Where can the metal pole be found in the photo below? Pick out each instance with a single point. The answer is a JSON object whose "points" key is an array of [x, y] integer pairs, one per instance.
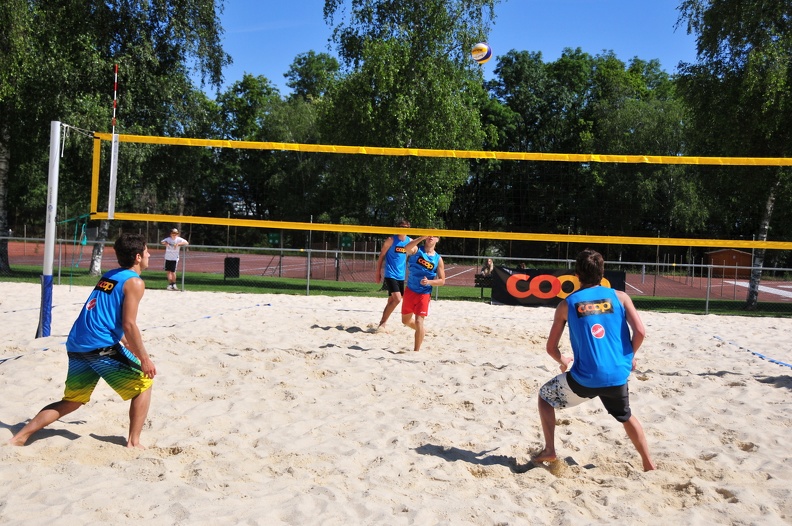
{"points": [[308, 276], [657, 266], [309, 247], [184, 267], [113, 153], [478, 249], [709, 286], [734, 287], [50, 231]]}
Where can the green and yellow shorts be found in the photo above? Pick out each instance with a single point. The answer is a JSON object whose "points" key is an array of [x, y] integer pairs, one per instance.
{"points": [[115, 364]]}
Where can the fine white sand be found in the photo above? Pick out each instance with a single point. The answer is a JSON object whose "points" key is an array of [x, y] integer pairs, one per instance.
{"points": [[275, 409]]}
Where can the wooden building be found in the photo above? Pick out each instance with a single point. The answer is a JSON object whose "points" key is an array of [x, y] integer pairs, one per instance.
{"points": [[727, 263]]}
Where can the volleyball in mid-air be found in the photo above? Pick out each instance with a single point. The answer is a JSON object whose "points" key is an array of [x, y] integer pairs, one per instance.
{"points": [[481, 52]]}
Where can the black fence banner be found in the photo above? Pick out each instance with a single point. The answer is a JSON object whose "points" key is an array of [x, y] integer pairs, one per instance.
{"points": [[542, 286]]}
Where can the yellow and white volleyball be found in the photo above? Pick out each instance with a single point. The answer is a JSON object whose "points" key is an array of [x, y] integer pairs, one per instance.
{"points": [[481, 52]]}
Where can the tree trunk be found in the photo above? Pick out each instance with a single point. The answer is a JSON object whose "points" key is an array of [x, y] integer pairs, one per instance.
{"points": [[5, 156], [98, 249], [751, 302]]}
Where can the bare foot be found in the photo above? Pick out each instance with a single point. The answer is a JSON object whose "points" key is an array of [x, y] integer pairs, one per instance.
{"points": [[381, 330], [135, 446], [649, 466], [14, 441], [544, 456]]}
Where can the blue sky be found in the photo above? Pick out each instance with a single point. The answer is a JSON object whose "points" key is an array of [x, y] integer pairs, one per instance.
{"points": [[263, 36]]}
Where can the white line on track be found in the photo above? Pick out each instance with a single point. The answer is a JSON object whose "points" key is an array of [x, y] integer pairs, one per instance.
{"points": [[637, 290], [458, 273], [763, 288]]}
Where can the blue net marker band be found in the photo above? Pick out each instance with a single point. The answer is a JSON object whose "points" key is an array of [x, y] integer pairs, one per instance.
{"points": [[45, 314], [758, 355]]}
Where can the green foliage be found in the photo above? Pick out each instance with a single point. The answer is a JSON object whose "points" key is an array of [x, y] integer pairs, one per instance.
{"points": [[740, 99], [405, 79], [61, 62], [260, 183], [741, 85], [409, 85], [636, 111], [577, 104], [740, 95], [312, 75]]}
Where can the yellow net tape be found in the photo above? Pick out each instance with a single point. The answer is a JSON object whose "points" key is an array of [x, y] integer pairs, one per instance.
{"points": [[456, 154], [422, 152], [470, 234]]}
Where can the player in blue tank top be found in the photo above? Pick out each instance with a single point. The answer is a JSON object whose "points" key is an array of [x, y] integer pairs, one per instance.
{"points": [[99, 322], [599, 331], [391, 270], [600, 320], [426, 270], [105, 342]]}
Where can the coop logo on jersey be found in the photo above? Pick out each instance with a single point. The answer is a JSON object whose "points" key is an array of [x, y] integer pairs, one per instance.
{"points": [[428, 265], [400, 250], [91, 304], [106, 285], [589, 308], [598, 331]]}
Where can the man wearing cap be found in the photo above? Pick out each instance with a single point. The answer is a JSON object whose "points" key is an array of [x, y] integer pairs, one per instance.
{"points": [[172, 244]]}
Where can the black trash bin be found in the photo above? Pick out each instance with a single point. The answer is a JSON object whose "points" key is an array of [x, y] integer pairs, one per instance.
{"points": [[231, 268]]}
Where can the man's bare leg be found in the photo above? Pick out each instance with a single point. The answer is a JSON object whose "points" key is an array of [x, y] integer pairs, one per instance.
{"points": [[393, 302], [420, 331], [636, 434], [407, 319], [138, 410], [547, 416], [45, 417]]}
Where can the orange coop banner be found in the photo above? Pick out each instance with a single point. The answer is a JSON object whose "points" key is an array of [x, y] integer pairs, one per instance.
{"points": [[542, 286]]}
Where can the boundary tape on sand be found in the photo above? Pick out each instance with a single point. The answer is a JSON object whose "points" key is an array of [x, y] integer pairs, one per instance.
{"points": [[4, 360], [758, 355]]}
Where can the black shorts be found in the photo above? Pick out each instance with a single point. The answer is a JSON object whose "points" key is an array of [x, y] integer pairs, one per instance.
{"points": [[170, 265], [393, 285], [616, 399]]}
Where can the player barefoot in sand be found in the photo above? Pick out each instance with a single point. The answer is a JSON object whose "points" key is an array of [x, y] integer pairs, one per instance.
{"points": [[426, 270], [105, 342], [600, 320], [391, 271]]}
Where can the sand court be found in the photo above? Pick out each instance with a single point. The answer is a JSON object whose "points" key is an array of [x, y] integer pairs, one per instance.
{"points": [[277, 409]]}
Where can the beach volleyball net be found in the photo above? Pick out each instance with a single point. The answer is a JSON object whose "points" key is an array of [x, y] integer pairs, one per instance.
{"points": [[172, 215], [233, 245]]}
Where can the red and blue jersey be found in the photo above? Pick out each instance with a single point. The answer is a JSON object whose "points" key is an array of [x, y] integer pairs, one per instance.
{"points": [[422, 265]]}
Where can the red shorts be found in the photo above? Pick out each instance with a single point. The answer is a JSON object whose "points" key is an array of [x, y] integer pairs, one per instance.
{"points": [[414, 303]]}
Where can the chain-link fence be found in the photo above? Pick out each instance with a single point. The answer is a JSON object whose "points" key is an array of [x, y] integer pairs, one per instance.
{"points": [[324, 269]]}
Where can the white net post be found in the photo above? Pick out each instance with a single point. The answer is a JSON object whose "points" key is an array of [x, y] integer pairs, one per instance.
{"points": [[113, 177]]}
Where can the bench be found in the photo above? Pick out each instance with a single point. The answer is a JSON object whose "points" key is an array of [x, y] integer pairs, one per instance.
{"points": [[483, 281]]}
